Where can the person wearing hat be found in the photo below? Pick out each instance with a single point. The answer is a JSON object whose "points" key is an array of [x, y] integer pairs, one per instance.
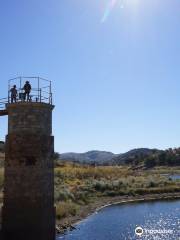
{"points": [[27, 90], [13, 94]]}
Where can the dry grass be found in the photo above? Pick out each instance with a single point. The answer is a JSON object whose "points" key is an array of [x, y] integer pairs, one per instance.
{"points": [[66, 209]]}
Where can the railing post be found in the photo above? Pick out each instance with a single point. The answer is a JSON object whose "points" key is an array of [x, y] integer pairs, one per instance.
{"points": [[9, 91], [50, 94], [20, 83], [20, 87], [40, 94]]}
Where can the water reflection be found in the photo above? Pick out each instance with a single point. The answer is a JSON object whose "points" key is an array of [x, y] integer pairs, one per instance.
{"points": [[159, 220]]}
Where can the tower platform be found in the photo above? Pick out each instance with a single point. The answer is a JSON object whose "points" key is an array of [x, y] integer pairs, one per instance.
{"points": [[40, 92]]}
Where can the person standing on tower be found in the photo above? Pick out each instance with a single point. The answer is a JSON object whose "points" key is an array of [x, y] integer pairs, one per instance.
{"points": [[13, 94], [27, 90]]}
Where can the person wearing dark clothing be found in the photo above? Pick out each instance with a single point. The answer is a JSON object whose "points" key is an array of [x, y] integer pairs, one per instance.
{"points": [[27, 90], [13, 94]]}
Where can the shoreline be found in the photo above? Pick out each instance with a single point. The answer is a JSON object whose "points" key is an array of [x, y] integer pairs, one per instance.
{"points": [[69, 223]]}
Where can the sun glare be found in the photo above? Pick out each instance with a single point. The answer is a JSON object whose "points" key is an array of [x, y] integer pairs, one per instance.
{"points": [[121, 4], [132, 3]]}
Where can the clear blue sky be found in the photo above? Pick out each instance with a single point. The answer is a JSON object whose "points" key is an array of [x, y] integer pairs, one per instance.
{"points": [[115, 67]]}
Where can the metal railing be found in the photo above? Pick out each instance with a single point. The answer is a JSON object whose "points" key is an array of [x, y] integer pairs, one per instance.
{"points": [[41, 91]]}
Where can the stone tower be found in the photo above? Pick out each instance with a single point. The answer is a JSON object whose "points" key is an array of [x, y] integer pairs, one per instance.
{"points": [[28, 210]]}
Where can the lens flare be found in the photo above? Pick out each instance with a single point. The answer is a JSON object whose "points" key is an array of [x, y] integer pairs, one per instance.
{"points": [[110, 6]]}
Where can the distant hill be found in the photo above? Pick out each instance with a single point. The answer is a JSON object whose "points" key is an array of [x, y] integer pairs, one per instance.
{"points": [[140, 157], [108, 158], [134, 155], [91, 157]]}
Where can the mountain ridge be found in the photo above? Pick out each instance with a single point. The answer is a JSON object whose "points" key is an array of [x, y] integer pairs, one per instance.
{"points": [[105, 157]]}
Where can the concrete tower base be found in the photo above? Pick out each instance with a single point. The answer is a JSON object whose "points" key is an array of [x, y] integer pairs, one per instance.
{"points": [[28, 211]]}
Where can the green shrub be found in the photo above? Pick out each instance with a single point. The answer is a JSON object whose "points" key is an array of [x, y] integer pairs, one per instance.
{"points": [[63, 195]]}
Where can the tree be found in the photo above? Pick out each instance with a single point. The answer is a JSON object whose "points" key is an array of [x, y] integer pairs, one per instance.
{"points": [[150, 162]]}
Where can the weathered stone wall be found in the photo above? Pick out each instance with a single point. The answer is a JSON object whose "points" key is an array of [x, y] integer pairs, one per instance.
{"points": [[28, 211], [30, 118]]}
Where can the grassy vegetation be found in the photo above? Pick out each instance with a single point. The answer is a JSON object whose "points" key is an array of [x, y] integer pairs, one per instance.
{"points": [[165, 170], [78, 185], [64, 209]]}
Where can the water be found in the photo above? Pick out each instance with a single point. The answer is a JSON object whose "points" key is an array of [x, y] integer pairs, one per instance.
{"points": [[118, 222], [174, 177]]}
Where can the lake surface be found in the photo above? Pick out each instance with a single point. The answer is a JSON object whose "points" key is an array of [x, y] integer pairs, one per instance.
{"points": [[175, 177], [160, 220]]}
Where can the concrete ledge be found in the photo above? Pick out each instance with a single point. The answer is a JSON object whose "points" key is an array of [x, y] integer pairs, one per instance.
{"points": [[28, 104], [3, 112]]}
